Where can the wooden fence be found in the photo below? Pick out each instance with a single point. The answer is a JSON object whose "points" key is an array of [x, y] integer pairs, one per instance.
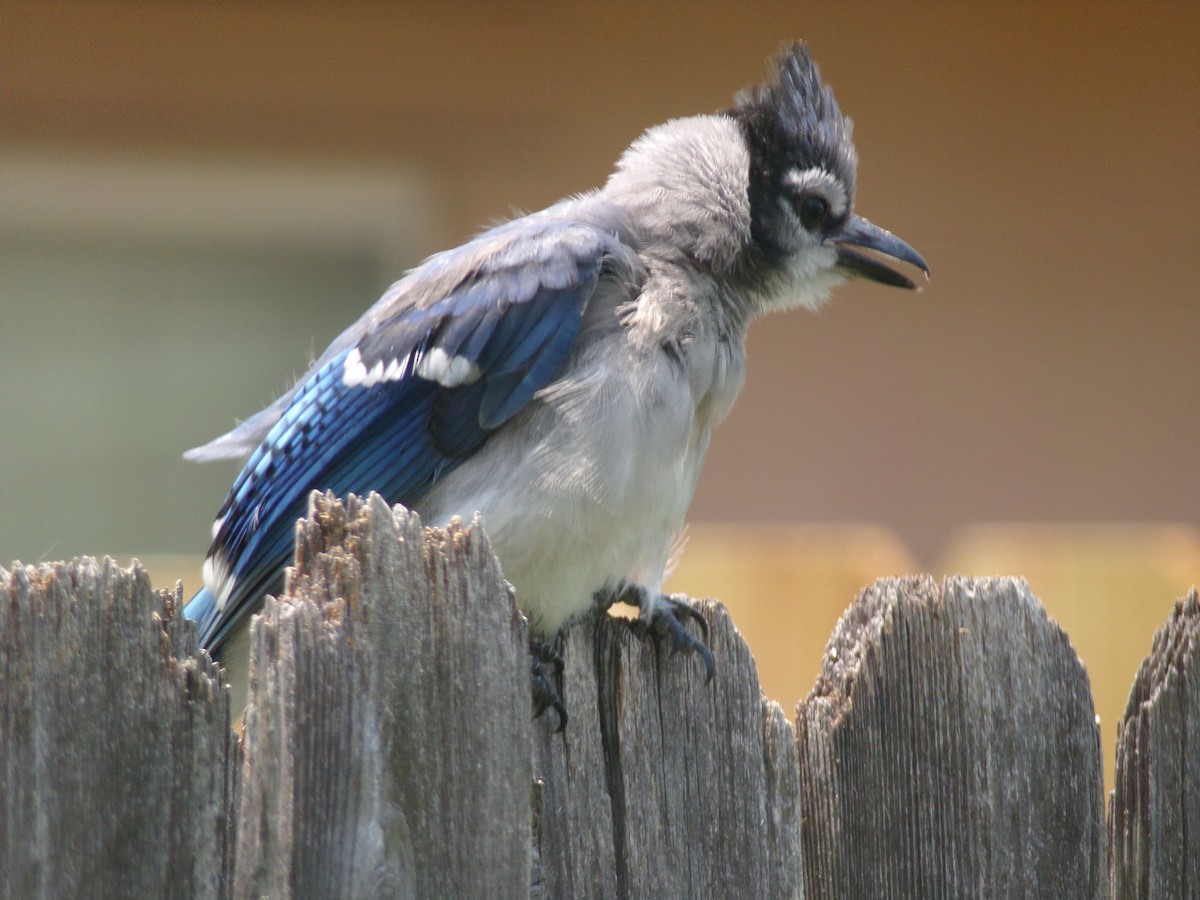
{"points": [[949, 748]]}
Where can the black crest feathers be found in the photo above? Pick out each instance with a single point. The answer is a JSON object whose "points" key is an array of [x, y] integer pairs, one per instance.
{"points": [[792, 122]]}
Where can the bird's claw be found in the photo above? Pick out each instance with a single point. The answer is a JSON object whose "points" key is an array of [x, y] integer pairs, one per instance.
{"points": [[666, 622], [546, 667]]}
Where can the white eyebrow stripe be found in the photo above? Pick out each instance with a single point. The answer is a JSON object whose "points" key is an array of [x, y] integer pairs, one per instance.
{"points": [[823, 182]]}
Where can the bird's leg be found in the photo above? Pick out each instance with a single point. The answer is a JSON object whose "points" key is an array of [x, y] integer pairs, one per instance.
{"points": [[664, 616], [546, 667]]}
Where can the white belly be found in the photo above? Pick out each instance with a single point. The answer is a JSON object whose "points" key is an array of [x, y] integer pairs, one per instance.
{"points": [[589, 485]]}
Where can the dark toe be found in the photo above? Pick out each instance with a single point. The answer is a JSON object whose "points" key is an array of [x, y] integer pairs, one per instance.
{"points": [[546, 668], [667, 623]]}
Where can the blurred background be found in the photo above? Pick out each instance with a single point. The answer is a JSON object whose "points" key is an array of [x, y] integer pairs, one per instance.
{"points": [[195, 198]]}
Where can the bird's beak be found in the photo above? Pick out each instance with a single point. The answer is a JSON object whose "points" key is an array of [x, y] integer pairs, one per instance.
{"points": [[861, 234]]}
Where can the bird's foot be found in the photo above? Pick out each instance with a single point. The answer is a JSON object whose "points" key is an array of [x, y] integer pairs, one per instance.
{"points": [[546, 667], [664, 617]]}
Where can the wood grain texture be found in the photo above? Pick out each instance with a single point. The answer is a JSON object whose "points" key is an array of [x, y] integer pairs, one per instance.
{"points": [[388, 732], [116, 776], [949, 749], [662, 786], [1154, 814]]}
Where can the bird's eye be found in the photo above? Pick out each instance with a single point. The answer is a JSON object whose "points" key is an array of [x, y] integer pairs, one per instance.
{"points": [[812, 210]]}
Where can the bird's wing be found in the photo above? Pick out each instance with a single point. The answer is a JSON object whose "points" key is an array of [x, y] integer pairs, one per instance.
{"points": [[449, 355]]}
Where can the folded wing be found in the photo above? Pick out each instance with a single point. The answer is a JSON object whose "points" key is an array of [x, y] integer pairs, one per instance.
{"points": [[418, 385]]}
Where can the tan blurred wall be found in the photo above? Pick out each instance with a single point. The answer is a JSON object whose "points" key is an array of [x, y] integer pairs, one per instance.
{"points": [[1042, 158]]}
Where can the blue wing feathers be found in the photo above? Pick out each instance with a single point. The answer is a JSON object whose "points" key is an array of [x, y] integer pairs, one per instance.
{"points": [[514, 387], [454, 423], [467, 335], [515, 315], [201, 609], [391, 454]]}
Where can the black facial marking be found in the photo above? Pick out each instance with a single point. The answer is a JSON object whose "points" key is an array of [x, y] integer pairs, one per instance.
{"points": [[790, 123]]}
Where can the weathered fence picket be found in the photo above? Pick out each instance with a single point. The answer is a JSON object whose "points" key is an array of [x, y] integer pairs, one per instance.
{"points": [[662, 786], [948, 749], [1154, 817], [118, 769], [387, 736]]}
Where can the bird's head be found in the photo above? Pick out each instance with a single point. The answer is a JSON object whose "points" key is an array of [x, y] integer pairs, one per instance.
{"points": [[804, 234]]}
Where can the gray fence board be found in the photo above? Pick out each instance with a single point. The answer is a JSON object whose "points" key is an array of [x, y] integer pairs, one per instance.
{"points": [[662, 786], [1154, 815], [116, 775], [950, 749], [388, 732]]}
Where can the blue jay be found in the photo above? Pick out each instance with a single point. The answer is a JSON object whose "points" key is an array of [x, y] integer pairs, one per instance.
{"points": [[561, 373]]}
